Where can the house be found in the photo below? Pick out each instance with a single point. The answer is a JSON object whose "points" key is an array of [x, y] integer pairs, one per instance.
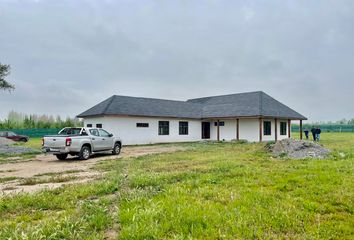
{"points": [[253, 116]]}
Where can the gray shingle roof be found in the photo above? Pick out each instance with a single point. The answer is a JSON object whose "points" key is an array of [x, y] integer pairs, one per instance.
{"points": [[251, 104]]}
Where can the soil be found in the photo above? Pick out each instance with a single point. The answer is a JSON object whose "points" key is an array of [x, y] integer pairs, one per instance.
{"points": [[78, 171], [298, 149]]}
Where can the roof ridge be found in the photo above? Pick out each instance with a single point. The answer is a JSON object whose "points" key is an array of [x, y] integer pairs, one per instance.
{"points": [[181, 101], [224, 95], [109, 104]]}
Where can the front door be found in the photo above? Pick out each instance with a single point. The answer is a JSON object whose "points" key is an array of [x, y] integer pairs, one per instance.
{"points": [[205, 130]]}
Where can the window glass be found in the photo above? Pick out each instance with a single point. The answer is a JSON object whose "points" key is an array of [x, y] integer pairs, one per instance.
{"points": [[143, 125], [164, 127], [267, 128], [99, 125], [70, 131], [283, 128], [94, 132], [11, 134], [89, 125], [2, 134], [183, 128], [103, 133], [220, 124]]}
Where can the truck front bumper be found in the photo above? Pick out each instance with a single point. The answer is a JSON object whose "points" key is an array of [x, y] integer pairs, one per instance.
{"points": [[49, 150]]}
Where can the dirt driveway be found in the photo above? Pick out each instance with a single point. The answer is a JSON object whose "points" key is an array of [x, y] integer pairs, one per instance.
{"points": [[45, 171]]}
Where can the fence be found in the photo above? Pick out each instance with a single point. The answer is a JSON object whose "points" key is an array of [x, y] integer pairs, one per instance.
{"points": [[36, 132], [326, 127]]}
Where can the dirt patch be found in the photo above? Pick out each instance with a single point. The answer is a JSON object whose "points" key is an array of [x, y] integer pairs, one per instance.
{"points": [[298, 149], [42, 168]]}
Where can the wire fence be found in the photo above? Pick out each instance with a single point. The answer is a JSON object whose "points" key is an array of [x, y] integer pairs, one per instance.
{"points": [[326, 127], [36, 132]]}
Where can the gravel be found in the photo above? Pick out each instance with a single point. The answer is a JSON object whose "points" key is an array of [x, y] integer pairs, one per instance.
{"points": [[7, 147], [5, 141], [298, 149]]}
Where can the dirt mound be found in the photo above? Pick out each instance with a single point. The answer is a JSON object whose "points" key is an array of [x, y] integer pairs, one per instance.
{"points": [[298, 149], [5, 141]]}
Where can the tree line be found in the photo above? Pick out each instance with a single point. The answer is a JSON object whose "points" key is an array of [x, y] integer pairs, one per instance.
{"points": [[338, 122], [16, 120]]}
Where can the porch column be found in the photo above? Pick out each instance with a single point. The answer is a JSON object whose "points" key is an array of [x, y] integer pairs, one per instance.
{"points": [[260, 129], [300, 129], [289, 128], [237, 129], [218, 130], [276, 129]]}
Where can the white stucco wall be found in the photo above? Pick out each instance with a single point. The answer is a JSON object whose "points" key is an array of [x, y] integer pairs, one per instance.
{"points": [[227, 132], [249, 129], [125, 128]]}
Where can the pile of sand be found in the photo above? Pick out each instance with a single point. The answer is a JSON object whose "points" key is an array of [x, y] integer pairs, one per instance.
{"points": [[298, 149]]}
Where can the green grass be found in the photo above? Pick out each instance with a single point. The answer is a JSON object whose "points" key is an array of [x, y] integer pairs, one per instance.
{"points": [[211, 191], [7, 179]]}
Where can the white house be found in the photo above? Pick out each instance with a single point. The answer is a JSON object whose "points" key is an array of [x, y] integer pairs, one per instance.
{"points": [[253, 116]]}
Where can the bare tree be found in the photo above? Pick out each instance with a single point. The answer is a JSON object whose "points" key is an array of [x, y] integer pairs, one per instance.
{"points": [[5, 71]]}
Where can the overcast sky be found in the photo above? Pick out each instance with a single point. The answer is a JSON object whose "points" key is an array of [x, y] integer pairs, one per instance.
{"points": [[67, 56]]}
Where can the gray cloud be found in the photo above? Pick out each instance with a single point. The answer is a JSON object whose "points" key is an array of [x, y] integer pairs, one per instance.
{"points": [[68, 55]]}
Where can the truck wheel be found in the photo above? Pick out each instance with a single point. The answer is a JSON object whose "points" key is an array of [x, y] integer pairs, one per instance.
{"points": [[116, 149], [61, 156], [85, 153]]}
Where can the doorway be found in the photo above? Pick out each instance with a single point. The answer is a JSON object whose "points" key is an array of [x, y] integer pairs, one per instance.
{"points": [[205, 130]]}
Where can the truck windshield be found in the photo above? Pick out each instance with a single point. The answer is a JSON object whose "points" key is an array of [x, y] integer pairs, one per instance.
{"points": [[70, 131]]}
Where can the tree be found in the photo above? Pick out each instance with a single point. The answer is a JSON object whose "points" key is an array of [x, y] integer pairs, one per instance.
{"points": [[4, 71]]}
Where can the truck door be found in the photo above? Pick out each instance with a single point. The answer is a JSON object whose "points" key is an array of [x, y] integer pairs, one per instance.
{"points": [[95, 139], [106, 140]]}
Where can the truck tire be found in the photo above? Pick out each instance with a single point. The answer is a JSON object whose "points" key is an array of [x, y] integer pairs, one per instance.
{"points": [[85, 153], [116, 149], [61, 156]]}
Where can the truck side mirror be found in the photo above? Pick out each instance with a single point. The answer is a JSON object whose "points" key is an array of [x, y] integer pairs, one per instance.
{"points": [[110, 135]]}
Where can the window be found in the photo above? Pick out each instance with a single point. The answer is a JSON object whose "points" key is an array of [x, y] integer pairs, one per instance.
{"points": [[3, 134], [220, 124], [103, 133], [142, 125], [183, 128], [267, 128], [89, 125], [99, 125], [70, 131], [94, 132], [283, 127], [164, 127], [84, 133]]}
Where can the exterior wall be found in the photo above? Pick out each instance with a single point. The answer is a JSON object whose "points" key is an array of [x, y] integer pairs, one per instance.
{"points": [[125, 128], [272, 136], [249, 129], [280, 137], [227, 132]]}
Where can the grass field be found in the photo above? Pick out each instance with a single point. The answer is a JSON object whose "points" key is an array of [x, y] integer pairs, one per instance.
{"points": [[213, 191]]}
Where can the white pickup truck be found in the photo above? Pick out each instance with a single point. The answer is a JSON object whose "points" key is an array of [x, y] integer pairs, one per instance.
{"points": [[82, 142]]}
